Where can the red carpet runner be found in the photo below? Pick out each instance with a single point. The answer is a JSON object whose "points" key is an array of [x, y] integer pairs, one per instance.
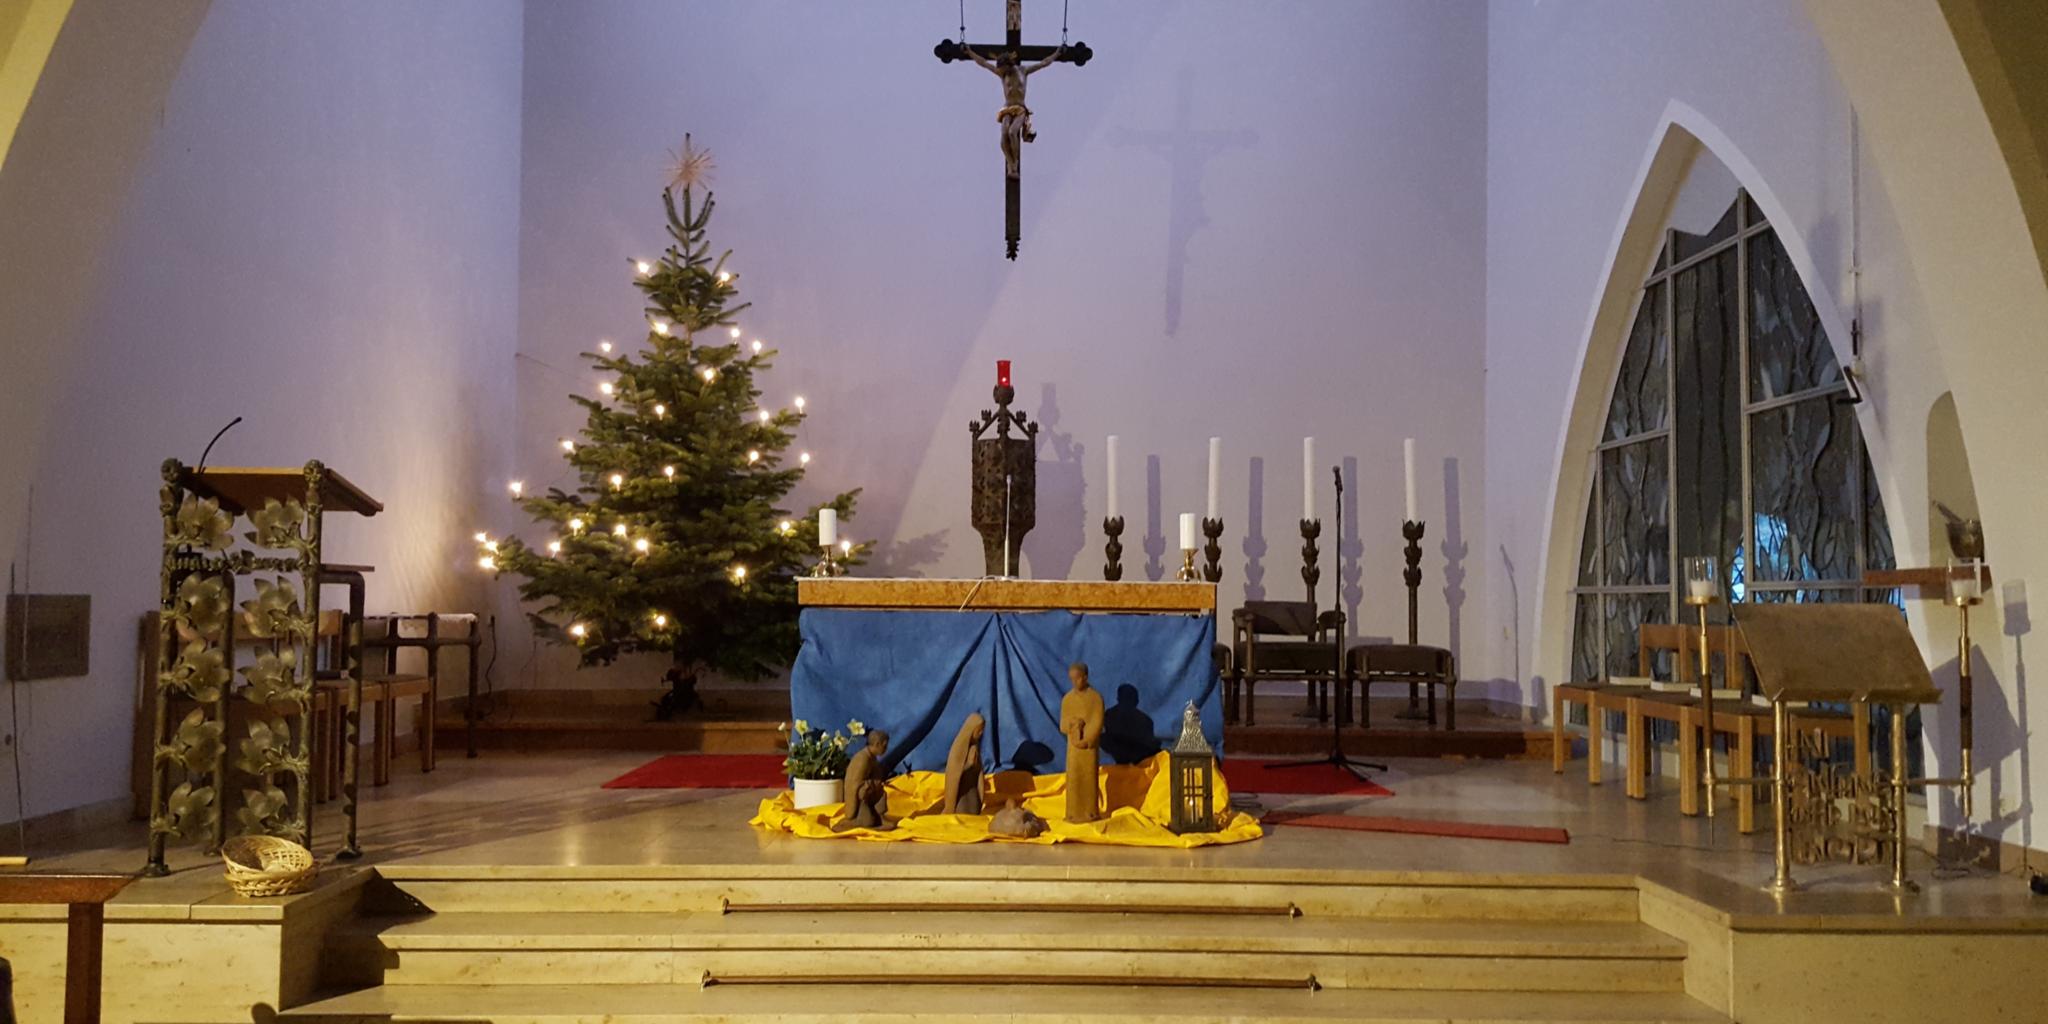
{"points": [[764, 771], [1420, 827]]}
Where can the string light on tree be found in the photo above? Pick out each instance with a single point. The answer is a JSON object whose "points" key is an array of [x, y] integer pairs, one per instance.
{"points": [[488, 563], [482, 536], [799, 403], [517, 487], [652, 404]]}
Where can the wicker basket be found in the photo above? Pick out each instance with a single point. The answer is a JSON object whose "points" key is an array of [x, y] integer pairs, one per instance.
{"points": [[267, 865]]}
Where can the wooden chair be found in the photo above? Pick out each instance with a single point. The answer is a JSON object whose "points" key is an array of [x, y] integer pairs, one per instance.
{"points": [[1413, 664], [1283, 640]]}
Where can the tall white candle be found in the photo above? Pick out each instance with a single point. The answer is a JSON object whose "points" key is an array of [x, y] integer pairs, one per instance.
{"points": [[1408, 466], [1308, 478], [828, 527], [1188, 532], [1215, 476], [1112, 513]]}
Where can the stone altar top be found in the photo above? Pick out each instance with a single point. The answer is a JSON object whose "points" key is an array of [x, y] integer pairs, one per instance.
{"points": [[1006, 595]]}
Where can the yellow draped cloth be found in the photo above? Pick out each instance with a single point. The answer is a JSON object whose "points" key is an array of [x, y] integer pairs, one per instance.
{"points": [[1136, 795]]}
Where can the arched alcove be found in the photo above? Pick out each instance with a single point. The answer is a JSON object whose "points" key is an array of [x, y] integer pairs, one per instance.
{"points": [[1643, 258]]}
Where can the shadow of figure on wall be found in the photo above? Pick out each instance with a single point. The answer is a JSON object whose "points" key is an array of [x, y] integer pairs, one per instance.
{"points": [[910, 557], [1187, 152], [1255, 534], [1128, 734], [1031, 756], [1454, 550], [1061, 530], [1155, 541]]}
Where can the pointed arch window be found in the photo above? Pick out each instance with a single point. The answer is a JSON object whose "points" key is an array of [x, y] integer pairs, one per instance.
{"points": [[1730, 431]]}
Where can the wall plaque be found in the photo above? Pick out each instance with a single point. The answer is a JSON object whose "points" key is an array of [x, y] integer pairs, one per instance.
{"points": [[49, 636]]}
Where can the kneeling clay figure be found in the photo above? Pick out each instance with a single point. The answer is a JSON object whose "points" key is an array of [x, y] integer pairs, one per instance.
{"points": [[963, 769], [1013, 820], [866, 797]]}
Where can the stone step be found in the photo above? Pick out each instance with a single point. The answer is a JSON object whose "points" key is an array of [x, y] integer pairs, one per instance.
{"points": [[1396, 895], [990, 1003], [656, 948]]}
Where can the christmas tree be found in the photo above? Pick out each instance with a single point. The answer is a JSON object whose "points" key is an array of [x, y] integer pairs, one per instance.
{"points": [[675, 540]]}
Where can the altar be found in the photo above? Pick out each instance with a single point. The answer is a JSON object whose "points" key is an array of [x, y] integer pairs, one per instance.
{"points": [[916, 657]]}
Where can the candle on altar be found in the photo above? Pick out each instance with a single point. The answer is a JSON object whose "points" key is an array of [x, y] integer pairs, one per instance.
{"points": [[1112, 513], [1408, 468], [1215, 476], [1308, 478], [1002, 373], [828, 527], [1188, 532]]}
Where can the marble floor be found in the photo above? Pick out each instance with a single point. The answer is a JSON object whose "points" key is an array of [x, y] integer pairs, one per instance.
{"points": [[548, 809]]}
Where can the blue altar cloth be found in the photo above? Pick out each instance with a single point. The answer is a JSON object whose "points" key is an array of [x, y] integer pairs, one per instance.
{"points": [[919, 674]]}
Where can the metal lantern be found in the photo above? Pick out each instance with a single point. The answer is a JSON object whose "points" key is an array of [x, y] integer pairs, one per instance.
{"points": [[1192, 787]]}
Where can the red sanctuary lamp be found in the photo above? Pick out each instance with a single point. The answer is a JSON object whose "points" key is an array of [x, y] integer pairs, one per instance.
{"points": [[1002, 373]]}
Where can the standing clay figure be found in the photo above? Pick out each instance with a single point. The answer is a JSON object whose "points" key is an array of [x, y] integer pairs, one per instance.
{"points": [[963, 769], [1081, 721], [1013, 820], [866, 798]]}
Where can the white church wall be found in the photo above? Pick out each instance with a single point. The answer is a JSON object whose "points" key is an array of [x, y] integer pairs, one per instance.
{"points": [[1254, 223], [1579, 96], [321, 237]]}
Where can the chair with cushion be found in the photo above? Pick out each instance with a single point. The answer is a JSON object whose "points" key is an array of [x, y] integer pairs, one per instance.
{"points": [[1283, 640], [1414, 664]]}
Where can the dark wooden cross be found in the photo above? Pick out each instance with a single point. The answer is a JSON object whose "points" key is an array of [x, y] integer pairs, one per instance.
{"points": [[1013, 62]]}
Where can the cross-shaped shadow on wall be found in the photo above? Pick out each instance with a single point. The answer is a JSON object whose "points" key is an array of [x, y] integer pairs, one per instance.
{"points": [[1187, 151]]}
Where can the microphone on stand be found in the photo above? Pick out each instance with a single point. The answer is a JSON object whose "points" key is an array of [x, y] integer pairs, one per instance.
{"points": [[210, 444]]}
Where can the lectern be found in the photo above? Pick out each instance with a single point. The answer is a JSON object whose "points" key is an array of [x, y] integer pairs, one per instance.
{"points": [[1861, 653], [256, 763]]}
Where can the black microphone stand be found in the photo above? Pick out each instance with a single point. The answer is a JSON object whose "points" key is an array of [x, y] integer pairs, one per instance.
{"points": [[1336, 757]]}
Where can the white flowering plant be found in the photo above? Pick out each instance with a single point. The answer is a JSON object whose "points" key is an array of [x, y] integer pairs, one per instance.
{"points": [[816, 754]]}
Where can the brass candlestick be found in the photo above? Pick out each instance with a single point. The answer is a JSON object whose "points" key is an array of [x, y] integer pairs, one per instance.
{"points": [[1702, 589], [1187, 573], [1781, 847], [1113, 552], [826, 567], [1212, 553]]}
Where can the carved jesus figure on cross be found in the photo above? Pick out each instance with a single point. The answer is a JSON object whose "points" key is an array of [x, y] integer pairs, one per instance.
{"points": [[1012, 63], [1015, 117]]}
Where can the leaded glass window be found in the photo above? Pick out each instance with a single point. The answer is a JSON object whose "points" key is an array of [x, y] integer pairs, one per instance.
{"points": [[1729, 432]]}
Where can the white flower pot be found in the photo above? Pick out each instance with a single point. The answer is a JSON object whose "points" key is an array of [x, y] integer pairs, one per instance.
{"points": [[817, 792]]}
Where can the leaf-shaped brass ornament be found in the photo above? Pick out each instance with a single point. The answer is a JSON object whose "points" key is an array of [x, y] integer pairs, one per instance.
{"points": [[198, 740], [201, 605], [200, 672], [189, 811], [199, 523], [273, 678], [274, 611], [259, 809], [264, 749], [277, 524]]}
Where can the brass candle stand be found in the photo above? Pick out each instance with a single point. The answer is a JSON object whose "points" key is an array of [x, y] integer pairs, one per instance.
{"points": [[827, 567], [1212, 552], [1113, 552], [1703, 602], [1187, 573], [1963, 599], [1311, 569]]}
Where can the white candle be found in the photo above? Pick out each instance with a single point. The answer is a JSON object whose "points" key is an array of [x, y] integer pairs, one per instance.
{"points": [[1188, 532], [1112, 477], [1408, 466], [1308, 478], [1215, 476], [828, 527], [1700, 589]]}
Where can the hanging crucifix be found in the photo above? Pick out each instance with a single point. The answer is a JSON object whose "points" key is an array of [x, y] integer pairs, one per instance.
{"points": [[1013, 62]]}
